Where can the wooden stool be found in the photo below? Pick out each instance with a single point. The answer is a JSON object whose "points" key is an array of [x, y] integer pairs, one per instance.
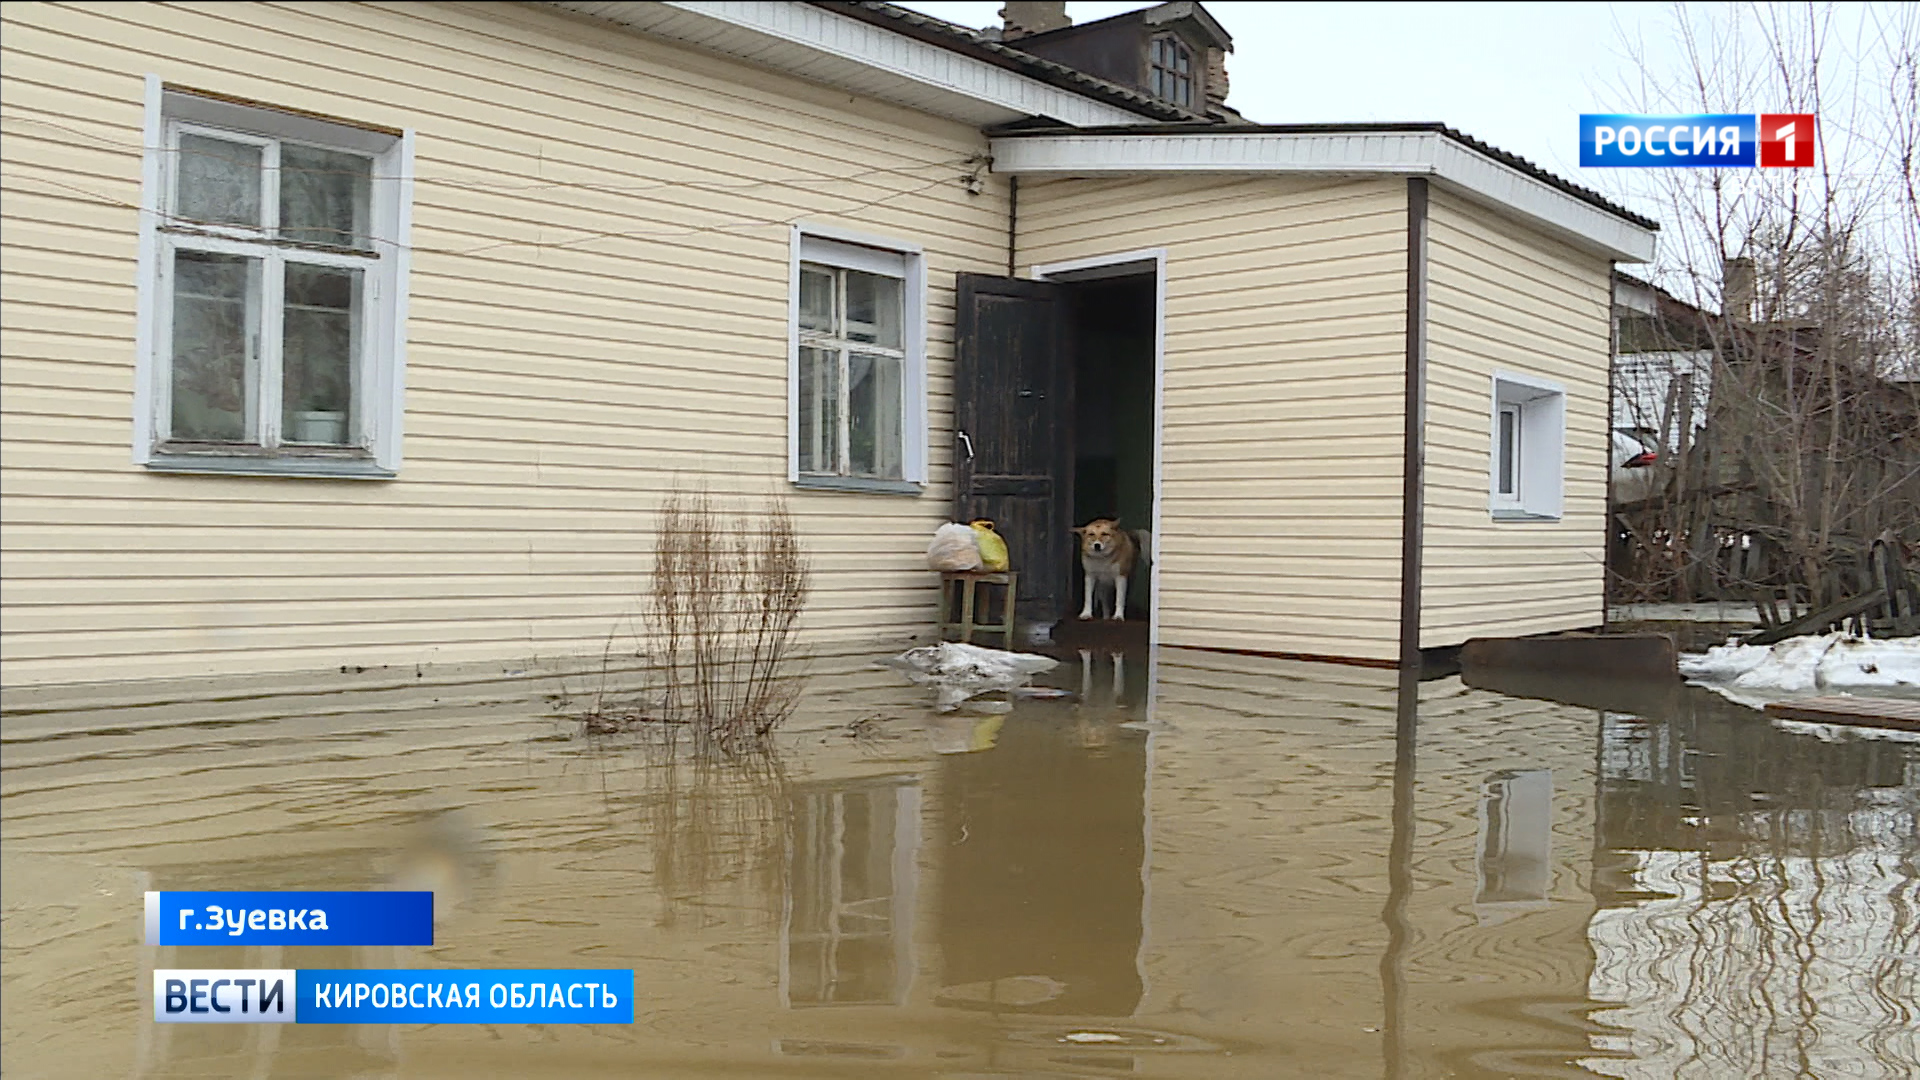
{"points": [[1009, 582]]}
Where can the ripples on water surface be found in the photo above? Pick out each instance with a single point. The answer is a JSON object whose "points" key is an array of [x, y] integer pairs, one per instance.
{"points": [[1260, 879]]}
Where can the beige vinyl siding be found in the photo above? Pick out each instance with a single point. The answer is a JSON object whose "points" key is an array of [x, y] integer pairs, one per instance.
{"points": [[1502, 297], [598, 309], [1284, 377]]}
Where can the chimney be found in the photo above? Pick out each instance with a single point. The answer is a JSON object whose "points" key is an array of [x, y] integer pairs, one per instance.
{"points": [[1736, 290], [1023, 17], [1216, 78]]}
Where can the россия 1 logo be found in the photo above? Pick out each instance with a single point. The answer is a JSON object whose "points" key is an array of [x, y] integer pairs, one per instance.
{"points": [[1706, 140]]}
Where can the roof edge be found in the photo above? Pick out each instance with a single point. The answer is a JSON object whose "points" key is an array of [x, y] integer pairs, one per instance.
{"points": [[1511, 160], [1501, 181]]}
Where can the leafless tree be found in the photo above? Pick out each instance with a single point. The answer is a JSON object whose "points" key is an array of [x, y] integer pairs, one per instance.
{"points": [[1810, 447]]}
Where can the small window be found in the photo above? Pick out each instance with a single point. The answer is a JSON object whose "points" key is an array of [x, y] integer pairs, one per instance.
{"points": [[272, 317], [857, 371], [1529, 435], [1170, 70]]}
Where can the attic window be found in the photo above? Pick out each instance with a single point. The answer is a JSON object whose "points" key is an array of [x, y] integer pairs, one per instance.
{"points": [[1170, 70]]}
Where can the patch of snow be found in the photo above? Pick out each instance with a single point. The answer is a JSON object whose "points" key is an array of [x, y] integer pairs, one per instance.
{"points": [[1817, 663]]}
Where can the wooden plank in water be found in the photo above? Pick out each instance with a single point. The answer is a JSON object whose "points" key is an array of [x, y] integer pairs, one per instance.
{"points": [[1613, 656], [1859, 711]]}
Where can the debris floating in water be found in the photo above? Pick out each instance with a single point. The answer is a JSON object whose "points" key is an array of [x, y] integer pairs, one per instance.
{"points": [[958, 671]]}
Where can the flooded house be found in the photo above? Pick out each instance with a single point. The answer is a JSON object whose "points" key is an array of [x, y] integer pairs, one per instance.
{"points": [[373, 336]]}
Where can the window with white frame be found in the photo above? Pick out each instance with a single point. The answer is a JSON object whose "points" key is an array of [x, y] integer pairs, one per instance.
{"points": [[274, 294], [1525, 472], [858, 366]]}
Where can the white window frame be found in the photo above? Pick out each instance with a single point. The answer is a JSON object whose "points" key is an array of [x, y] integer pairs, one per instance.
{"points": [[1539, 448], [379, 383], [851, 250]]}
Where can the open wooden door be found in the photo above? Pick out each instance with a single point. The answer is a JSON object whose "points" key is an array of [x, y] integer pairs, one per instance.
{"points": [[1013, 429]]}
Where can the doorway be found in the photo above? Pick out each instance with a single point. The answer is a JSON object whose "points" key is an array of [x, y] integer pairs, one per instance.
{"points": [[1113, 339], [1057, 422]]}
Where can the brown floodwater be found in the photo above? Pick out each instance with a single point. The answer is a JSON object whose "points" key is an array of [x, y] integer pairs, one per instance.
{"points": [[1206, 866]]}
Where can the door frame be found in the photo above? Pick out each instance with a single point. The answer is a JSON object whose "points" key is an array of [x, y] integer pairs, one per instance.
{"points": [[1130, 264]]}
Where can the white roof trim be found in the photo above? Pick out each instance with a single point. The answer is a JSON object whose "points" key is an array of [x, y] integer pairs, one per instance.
{"points": [[823, 46], [1413, 153]]}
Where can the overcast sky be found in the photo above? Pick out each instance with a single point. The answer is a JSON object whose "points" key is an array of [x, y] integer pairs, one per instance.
{"points": [[1514, 75], [1517, 76]]}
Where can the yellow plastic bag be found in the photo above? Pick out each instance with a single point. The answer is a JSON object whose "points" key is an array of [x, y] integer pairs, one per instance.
{"points": [[993, 549]]}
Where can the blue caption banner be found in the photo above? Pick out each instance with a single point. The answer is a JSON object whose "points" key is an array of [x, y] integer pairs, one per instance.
{"points": [[516, 996], [1706, 140], [289, 918], [357, 996]]}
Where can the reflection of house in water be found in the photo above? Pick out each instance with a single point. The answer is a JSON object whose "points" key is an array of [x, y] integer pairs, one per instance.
{"points": [[1002, 883], [1262, 873], [1516, 842], [1781, 895], [1041, 880], [1492, 975], [848, 934]]}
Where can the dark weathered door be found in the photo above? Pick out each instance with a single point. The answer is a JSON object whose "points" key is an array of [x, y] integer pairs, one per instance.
{"points": [[1013, 417]]}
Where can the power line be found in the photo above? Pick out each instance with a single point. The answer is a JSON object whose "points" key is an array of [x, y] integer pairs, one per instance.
{"points": [[506, 242], [516, 186]]}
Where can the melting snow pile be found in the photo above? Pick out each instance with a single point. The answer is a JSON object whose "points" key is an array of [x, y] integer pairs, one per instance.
{"points": [[1756, 674], [958, 671]]}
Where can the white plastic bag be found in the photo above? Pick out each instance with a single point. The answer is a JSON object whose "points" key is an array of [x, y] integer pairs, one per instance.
{"points": [[954, 547]]}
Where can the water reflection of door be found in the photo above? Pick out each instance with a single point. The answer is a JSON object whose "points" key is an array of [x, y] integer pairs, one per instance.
{"points": [[1041, 894], [847, 938]]}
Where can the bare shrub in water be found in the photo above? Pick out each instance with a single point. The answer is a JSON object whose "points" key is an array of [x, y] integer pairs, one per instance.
{"points": [[719, 616]]}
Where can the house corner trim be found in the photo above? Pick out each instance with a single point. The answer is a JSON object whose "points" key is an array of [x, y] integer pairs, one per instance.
{"points": [[1414, 410]]}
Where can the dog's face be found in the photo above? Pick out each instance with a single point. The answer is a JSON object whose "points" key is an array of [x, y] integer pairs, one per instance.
{"points": [[1100, 537]]}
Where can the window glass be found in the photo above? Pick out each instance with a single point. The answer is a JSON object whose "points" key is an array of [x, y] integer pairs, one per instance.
{"points": [[323, 196], [1509, 465], [215, 323], [873, 405], [819, 410], [873, 309], [219, 181], [320, 350], [1170, 70], [816, 299]]}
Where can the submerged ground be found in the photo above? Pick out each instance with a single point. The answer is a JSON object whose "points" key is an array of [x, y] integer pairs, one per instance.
{"points": [[1209, 867]]}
